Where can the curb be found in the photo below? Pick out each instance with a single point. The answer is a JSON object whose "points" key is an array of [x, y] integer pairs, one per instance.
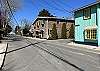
{"points": [[34, 38], [84, 46]]}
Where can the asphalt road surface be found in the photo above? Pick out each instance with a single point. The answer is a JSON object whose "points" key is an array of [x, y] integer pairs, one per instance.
{"points": [[33, 58]]}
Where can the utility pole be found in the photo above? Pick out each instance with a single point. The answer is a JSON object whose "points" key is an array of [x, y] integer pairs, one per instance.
{"points": [[1, 19]]}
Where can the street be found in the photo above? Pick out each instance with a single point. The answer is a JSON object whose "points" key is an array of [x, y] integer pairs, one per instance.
{"points": [[60, 57], [49, 35]]}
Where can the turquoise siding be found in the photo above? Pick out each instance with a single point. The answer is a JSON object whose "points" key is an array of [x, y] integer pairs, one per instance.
{"points": [[98, 22], [81, 24]]}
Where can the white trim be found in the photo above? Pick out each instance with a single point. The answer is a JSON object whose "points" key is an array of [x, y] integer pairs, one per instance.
{"points": [[90, 27]]}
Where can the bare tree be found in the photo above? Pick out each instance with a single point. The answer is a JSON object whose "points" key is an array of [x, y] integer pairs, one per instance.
{"points": [[25, 26], [10, 6], [14, 4], [7, 8]]}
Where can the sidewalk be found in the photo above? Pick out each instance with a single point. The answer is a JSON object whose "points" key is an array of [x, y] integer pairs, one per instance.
{"points": [[2, 49], [84, 46], [34, 38]]}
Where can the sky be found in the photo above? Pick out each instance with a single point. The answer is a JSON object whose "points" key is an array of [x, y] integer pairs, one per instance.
{"points": [[61, 8]]}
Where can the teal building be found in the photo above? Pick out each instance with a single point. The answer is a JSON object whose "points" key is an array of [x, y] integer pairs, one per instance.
{"points": [[87, 23]]}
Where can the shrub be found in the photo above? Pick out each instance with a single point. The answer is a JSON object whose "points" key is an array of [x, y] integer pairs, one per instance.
{"points": [[54, 32], [63, 31]]}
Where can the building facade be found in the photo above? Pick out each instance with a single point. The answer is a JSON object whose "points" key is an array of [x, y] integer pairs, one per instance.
{"points": [[42, 27], [87, 23]]}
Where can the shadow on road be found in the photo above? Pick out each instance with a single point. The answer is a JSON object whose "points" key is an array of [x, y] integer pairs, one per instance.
{"points": [[23, 47], [59, 57]]}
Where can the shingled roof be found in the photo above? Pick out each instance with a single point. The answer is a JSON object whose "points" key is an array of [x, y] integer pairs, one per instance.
{"points": [[52, 18], [86, 6]]}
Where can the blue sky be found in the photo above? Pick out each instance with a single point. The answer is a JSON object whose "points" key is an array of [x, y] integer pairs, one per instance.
{"points": [[60, 8]]}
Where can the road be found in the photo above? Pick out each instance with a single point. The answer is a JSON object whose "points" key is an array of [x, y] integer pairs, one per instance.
{"points": [[59, 57]]}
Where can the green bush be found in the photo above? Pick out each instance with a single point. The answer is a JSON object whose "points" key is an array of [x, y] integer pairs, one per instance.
{"points": [[63, 31], [54, 32]]}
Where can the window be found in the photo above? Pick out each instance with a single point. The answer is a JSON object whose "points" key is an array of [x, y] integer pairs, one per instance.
{"points": [[43, 21], [91, 34], [57, 22], [88, 34], [34, 27], [37, 32], [42, 25], [87, 13], [48, 31], [37, 26], [94, 34], [39, 22]]}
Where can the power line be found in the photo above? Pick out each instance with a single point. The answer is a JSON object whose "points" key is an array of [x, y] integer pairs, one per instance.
{"points": [[63, 3], [35, 5], [4, 9], [11, 11], [49, 6], [56, 8], [61, 6]]}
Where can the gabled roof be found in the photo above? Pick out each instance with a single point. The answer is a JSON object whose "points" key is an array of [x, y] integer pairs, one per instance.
{"points": [[86, 6]]}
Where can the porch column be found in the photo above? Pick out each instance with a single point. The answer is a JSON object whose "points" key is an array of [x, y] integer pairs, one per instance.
{"points": [[98, 24]]}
